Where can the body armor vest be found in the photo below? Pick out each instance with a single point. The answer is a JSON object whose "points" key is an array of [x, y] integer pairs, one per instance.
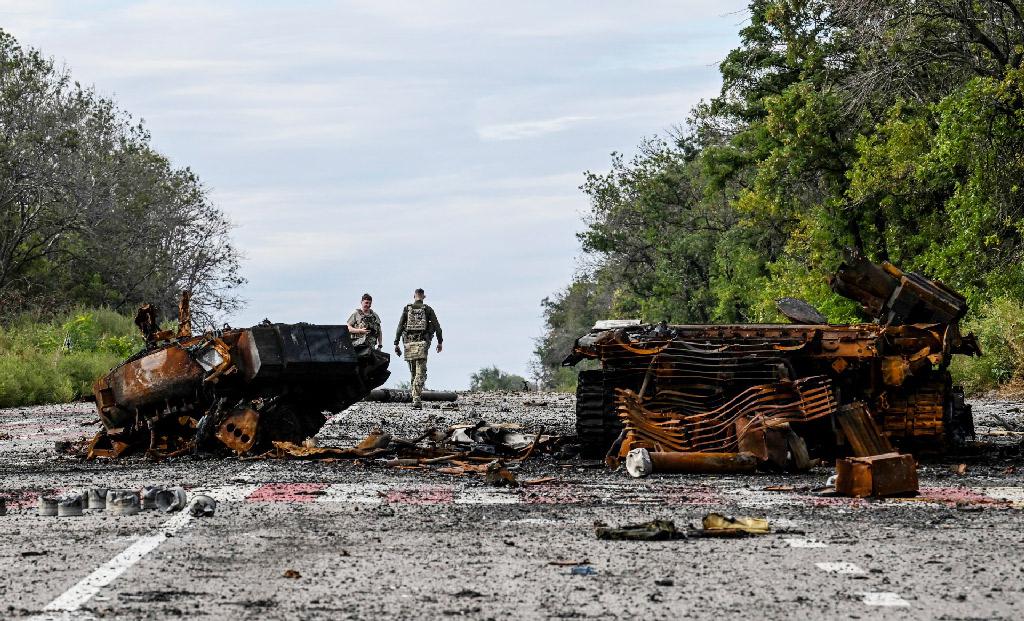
{"points": [[415, 318]]}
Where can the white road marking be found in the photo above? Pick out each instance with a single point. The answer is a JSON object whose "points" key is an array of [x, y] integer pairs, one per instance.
{"points": [[758, 498], [1013, 494], [365, 493], [225, 493], [73, 599], [840, 567], [486, 497], [883, 599], [805, 543]]}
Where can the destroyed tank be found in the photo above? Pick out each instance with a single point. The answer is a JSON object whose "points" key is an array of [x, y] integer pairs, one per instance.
{"points": [[237, 389], [707, 388]]}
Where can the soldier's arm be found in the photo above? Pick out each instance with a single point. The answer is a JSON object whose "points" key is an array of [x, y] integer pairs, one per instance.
{"points": [[401, 327], [380, 331], [437, 326], [351, 320]]}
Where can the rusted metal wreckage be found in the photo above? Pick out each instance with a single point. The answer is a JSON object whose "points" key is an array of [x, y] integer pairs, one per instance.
{"points": [[237, 389], [785, 393]]}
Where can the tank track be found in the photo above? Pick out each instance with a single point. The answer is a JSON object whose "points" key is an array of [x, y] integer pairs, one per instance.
{"points": [[597, 423]]}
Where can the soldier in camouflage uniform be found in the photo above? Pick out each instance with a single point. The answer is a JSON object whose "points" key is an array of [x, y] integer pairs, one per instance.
{"points": [[416, 328], [366, 319]]}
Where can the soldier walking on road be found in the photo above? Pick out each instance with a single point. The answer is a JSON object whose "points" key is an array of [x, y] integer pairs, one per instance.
{"points": [[365, 318], [416, 329]]}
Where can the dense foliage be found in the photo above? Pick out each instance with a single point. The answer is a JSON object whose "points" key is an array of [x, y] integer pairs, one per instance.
{"points": [[57, 360], [90, 214], [895, 128]]}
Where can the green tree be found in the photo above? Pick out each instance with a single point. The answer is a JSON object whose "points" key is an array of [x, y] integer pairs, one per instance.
{"points": [[90, 213], [492, 379]]}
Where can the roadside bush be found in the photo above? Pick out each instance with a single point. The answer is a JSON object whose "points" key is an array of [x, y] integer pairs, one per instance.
{"points": [[491, 379], [999, 327], [58, 360]]}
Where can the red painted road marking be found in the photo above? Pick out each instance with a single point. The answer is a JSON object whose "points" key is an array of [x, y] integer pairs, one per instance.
{"points": [[287, 492], [955, 495]]}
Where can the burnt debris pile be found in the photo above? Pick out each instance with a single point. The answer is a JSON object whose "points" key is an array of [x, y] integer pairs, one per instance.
{"points": [[784, 396], [235, 390]]}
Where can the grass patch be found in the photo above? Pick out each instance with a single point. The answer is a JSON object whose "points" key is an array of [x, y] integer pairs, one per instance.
{"points": [[999, 327], [58, 360]]}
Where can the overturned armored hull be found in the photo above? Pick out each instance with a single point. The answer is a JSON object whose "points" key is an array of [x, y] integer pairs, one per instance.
{"points": [[232, 389], [784, 392]]}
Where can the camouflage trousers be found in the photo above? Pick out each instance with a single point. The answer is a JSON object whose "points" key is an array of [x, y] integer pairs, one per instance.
{"points": [[418, 371]]}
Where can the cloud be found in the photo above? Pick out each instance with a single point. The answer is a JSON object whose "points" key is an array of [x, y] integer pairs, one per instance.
{"points": [[529, 129], [370, 145]]}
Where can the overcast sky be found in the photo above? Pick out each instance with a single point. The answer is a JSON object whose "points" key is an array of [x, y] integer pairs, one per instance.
{"points": [[382, 146]]}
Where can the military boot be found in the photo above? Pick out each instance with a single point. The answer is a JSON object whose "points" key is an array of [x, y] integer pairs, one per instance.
{"points": [[417, 404]]}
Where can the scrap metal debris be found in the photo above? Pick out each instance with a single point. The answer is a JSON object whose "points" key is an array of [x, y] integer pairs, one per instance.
{"points": [[655, 530], [885, 475], [788, 394], [229, 389], [716, 524], [491, 450], [713, 525], [640, 462]]}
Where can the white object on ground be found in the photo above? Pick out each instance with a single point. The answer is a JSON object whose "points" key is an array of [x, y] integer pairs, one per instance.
{"points": [[840, 567]]}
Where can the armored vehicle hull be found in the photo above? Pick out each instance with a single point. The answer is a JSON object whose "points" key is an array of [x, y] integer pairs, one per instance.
{"points": [[236, 389]]}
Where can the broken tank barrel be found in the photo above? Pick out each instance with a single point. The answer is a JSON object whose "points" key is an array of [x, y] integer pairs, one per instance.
{"points": [[391, 395], [715, 388], [239, 389]]}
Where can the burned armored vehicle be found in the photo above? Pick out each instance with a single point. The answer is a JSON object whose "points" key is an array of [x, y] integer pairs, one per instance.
{"points": [[231, 389], [801, 387]]}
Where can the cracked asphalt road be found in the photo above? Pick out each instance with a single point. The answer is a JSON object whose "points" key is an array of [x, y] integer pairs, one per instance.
{"points": [[364, 541]]}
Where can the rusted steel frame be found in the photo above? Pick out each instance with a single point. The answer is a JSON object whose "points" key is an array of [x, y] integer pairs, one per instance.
{"points": [[777, 403]]}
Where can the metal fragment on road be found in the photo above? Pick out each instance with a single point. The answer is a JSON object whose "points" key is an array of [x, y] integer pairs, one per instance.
{"points": [[640, 462], [202, 506], [97, 497], [69, 505], [171, 499], [148, 496], [123, 502], [47, 506]]}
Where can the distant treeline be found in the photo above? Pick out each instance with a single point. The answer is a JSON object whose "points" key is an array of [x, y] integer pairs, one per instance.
{"points": [[90, 214], [892, 127]]}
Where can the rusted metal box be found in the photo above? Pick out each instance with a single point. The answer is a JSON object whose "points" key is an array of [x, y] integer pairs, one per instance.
{"points": [[890, 474]]}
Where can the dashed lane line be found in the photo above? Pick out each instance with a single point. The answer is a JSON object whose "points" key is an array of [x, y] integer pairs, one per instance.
{"points": [[73, 599], [883, 598], [805, 543], [840, 567]]}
